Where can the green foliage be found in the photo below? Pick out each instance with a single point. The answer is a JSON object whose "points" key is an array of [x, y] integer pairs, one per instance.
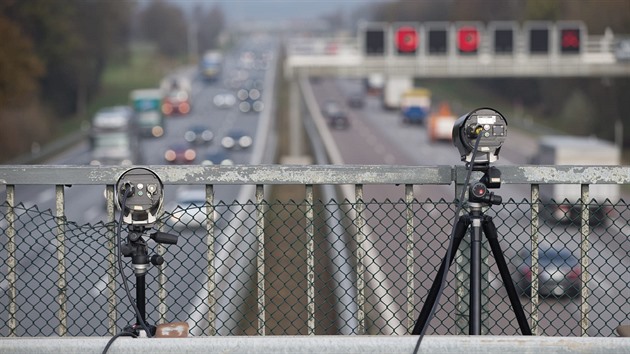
{"points": [[20, 68], [574, 105], [209, 27], [547, 10], [165, 25], [73, 39], [577, 114]]}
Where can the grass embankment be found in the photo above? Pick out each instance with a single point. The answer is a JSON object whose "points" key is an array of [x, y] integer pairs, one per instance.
{"points": [[144, 68]]}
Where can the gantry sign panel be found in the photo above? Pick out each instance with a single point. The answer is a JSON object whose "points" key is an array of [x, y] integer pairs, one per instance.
{"points": [[535, 38]]}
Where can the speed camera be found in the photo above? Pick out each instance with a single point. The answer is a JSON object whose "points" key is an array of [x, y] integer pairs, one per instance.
{"points": [[485, 124], [139, 196]]}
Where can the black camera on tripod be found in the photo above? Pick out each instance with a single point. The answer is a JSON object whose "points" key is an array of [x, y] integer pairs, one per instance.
{"points": [[478, 136], [139, 196]]}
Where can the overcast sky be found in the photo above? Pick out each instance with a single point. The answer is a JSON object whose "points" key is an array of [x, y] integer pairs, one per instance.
{"points": [[276, 10]]}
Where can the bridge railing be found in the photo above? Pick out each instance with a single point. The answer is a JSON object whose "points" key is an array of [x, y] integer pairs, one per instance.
{"points": [[60, 277]]}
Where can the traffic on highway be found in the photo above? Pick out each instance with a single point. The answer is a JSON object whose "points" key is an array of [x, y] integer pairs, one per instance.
{"points": [[381, 94]]}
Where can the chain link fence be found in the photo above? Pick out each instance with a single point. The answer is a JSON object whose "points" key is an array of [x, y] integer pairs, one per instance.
{"points": [[315, 267]]}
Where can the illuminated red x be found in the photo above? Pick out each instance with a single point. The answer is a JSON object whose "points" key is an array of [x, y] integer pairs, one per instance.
{"points": [[570, 39], [468, 39], [406, 39]]}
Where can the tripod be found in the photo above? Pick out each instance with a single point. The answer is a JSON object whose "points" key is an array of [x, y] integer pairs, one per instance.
{"points": [[136, 248], [476, 220]]}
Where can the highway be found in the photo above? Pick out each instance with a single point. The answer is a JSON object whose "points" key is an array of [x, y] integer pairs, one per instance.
{"points": [[375, 136], [378, 136], [85, 210]]}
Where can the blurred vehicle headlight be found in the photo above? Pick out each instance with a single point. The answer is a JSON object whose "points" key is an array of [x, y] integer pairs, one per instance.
{"points": [[170, 155], [245, 141], [227, 142], [190, 154]]}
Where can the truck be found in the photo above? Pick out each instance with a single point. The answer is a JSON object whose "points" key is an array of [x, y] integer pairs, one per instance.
{"points": [[393, 89], [114, 137], [560, 202], [147, 109], [374, 84], [415, 105], [210, 65], [440, 123]]}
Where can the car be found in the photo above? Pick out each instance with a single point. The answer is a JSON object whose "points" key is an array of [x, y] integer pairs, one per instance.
{"points": [[335, 115], [176, 102], [250, 100], [622, 50], [339, 120], [356, 100], [224, 100], [559, 272], [331, 108], [199, 134], [236, 139], [217, 157], [190, 210], [180, 153]]}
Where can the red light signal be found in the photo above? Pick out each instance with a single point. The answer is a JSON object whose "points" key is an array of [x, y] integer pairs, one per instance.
{"points": [[468, 40], [570, 41], [407, 40]]}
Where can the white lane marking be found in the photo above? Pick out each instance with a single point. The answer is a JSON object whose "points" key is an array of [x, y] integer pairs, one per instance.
{"points": [[99, 286]]}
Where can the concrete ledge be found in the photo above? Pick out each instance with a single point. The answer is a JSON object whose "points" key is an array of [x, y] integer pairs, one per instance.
{"points": [[318, 344]]}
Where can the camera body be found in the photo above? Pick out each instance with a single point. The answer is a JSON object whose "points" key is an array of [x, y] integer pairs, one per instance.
{"points": [[485, 122], [145, 194]]}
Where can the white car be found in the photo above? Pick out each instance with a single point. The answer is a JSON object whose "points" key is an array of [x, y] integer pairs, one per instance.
{"points": [[224, 100], [189, 210], [236, 139]]}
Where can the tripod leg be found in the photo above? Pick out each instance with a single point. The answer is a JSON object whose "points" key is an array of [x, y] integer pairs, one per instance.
{"points": [[460, 231], [491, 234]]}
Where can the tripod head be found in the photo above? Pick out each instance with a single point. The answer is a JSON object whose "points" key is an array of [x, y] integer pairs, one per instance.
{"points": [[478, 191], [136, 247]]}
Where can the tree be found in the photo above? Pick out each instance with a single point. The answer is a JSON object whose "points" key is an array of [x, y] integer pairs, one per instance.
{"points": [[165, 25], [20, 68], [73, 39], [210, 27]]}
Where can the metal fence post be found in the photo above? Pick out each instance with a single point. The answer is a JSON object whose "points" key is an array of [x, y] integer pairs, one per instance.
{"points": [[162, 279], [584, 260], [111, 260], [462, 274], [310, 260], [535, 200], [210, 242], [61, 267], [11, 261], [411, 288], [360, 257], [260, 258]]}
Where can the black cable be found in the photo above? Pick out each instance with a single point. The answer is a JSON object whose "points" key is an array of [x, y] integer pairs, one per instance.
{"points": [[121, 334], [120, 266], [124, 281], [447, 259]]}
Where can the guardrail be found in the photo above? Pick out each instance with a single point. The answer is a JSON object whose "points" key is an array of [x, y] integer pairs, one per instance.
{"points": [[408, 217]]}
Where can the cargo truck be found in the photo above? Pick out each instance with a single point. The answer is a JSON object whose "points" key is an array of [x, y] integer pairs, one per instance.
{"points": [[210, 65], [113, 137], [147, 108], [415, 105], [560, 202], [393, 90]]}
